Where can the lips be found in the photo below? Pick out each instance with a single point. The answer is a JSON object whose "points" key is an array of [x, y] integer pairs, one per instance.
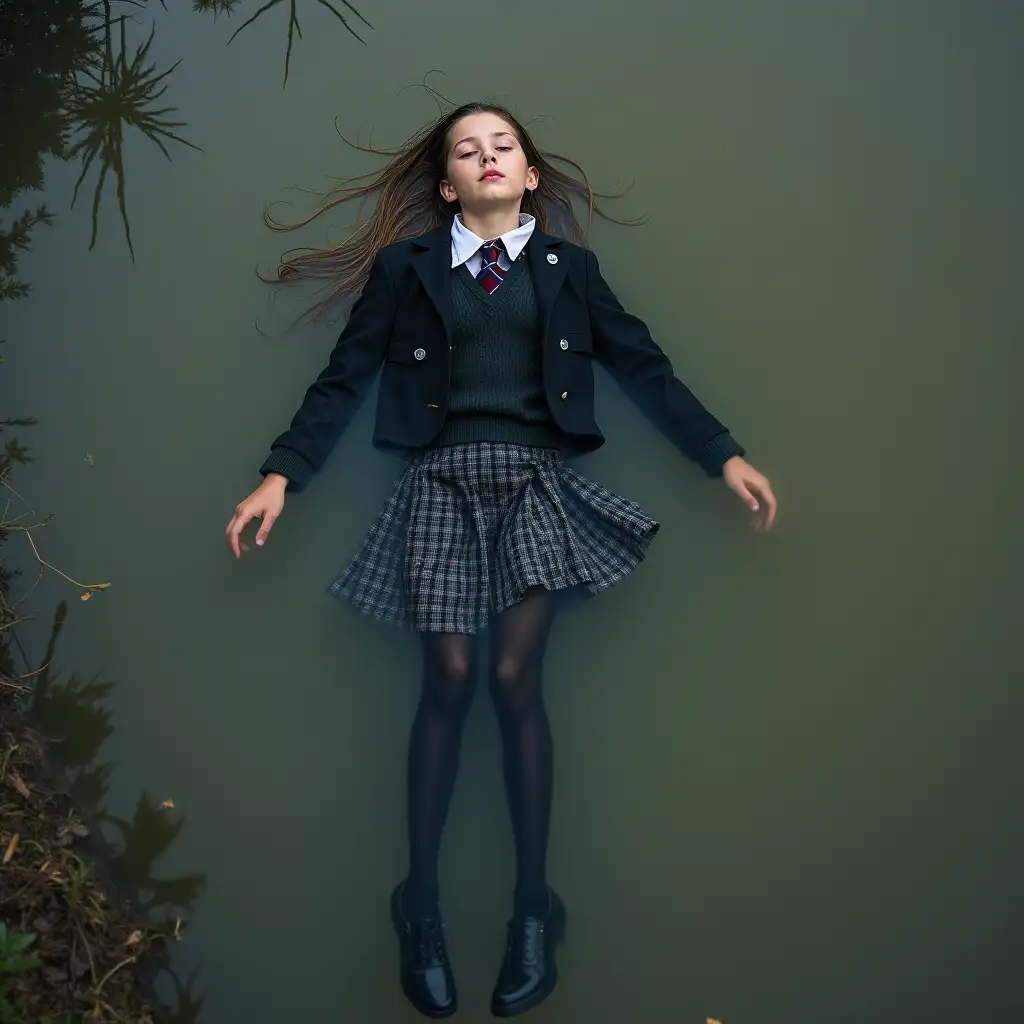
{"points": [[492, 176]]}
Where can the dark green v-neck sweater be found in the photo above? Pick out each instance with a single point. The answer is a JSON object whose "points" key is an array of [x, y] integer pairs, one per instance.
{"points": [[497, 383]]}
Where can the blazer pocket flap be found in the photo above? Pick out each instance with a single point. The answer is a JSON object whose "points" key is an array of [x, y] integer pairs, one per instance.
{"points": [[579, 341], [404, 351]]}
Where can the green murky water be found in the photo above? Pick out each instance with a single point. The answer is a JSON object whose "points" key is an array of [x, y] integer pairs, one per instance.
{"points": [[787, 766]]}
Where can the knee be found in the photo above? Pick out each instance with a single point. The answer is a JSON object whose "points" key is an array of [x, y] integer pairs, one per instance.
{"points": [[515, 684], [451, 682]]}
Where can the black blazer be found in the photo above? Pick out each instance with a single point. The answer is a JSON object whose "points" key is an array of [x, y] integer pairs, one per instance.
{"points": [[403, 320]]}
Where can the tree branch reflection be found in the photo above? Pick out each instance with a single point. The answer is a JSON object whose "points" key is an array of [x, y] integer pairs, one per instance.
{"points": [[119, 93], [295, 29]]}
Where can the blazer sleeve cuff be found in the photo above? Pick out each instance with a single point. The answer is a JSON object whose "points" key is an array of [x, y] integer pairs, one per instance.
{"points": [[717, 452], [291, 464]]}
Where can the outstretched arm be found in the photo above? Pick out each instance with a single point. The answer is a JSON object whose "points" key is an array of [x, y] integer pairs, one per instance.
{"points": [[623, 343], [334, 397]]}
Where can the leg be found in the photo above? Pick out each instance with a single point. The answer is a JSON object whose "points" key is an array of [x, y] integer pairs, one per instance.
{"points": [[520, 636], [448, 684]]}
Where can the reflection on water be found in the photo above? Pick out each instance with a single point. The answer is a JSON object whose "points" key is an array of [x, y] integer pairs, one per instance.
{"points": [[119, 93], [61, 82], [76, 89], [293, 22], [74, 717], [42, 48]]}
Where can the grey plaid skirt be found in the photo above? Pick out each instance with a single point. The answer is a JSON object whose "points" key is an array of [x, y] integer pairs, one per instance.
{"points": [[468, 528]]}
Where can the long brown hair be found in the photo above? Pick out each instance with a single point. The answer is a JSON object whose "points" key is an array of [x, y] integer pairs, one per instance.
{"points": [[409, 203]]}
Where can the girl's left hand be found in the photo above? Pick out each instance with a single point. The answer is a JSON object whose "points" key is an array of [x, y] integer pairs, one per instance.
{"points": [[754, 490]]}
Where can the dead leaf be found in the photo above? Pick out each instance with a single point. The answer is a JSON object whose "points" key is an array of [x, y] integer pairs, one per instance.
{"points": [[11, 847], [55, 976], [20, 786], [78, 829], [134, 939], [86, 596], [168, 803]]}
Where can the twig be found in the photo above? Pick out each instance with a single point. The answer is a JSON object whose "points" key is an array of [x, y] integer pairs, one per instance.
{"points": [[111, 972], [41, 561], [27, 675], [27, 594], [88, 951], [13, 491]]}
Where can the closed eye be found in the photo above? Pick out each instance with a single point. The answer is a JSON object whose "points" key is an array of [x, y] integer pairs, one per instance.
{"points": [[473, 152]]}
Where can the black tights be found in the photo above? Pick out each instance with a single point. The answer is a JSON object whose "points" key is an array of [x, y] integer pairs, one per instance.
{"points": [[519, 636]]}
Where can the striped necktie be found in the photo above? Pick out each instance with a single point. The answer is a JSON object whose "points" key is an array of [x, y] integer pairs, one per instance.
{"points": [[491, 274]]}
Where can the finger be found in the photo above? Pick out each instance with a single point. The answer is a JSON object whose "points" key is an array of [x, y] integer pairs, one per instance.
{"points": [[264, 530], [233, 520], [768, 498], [746, 496], [237, 527]]}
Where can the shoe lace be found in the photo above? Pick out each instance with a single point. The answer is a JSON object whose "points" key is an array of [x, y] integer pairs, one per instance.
{"points": [[429, 943], [524, 941]]}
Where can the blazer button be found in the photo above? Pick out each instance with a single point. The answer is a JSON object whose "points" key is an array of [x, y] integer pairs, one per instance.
{"points": [[563, 344], [565, 395], [420, 353]]}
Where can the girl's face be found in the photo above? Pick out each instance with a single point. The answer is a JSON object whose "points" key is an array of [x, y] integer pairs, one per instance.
{"points": [[486, 166]]}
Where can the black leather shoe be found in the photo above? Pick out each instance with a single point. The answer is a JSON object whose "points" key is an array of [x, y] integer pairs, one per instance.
{"points": [[528, 974], [426, 975]]}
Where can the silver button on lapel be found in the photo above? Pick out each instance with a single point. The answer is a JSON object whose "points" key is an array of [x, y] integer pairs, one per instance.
{"points": [[420, 353], [563, 344], [552, 258]]}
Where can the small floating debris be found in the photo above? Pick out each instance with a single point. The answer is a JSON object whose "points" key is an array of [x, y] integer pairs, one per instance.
{"points": [[11, 847]]}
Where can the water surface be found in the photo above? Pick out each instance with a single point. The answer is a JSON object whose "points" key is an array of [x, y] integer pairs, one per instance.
{"points": [[787, 766]]}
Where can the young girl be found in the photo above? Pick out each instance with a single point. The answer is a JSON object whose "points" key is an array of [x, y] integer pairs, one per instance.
{"points": [[487, 328]]}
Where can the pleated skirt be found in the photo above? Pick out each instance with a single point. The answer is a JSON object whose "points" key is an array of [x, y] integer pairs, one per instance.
{"points": [[469, 528]]}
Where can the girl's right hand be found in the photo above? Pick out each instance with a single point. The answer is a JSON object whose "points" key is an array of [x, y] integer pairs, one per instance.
{"points": [[265, 503]]}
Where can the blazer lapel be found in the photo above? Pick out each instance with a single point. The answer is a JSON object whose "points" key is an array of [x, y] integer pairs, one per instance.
{"points": [[548, 274], [433, 265]]}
